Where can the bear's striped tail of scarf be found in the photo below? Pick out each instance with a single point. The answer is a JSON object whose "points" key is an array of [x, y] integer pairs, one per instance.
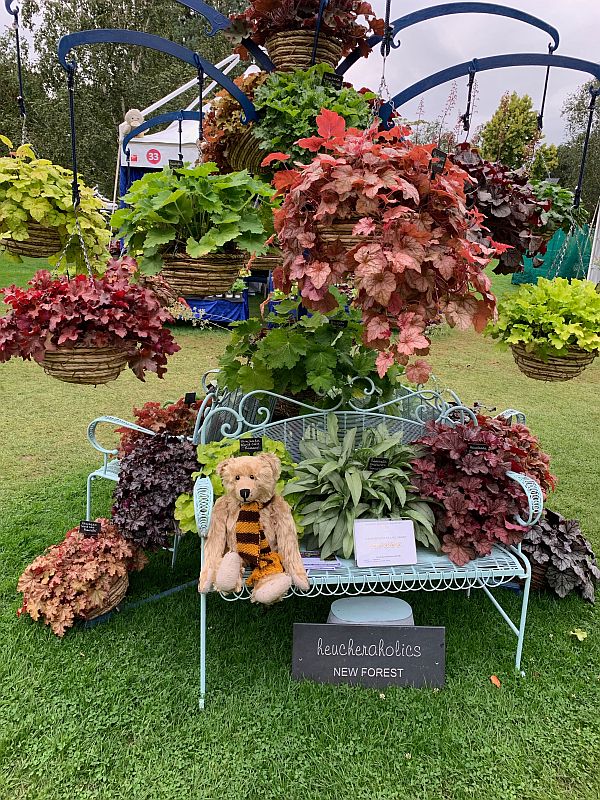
{"points": [[252, 544]]}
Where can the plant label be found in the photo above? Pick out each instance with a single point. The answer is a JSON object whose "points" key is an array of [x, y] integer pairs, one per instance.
{"points": [[384, 542], [175, 163], [340, 324], [333, 80], [251, 446], [370, 655], [377, 463], [438, 161], [190, 397], [478, 447], [89, 528]]}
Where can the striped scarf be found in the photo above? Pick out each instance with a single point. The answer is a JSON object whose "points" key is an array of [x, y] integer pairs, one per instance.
{"points": [[252, 544]]}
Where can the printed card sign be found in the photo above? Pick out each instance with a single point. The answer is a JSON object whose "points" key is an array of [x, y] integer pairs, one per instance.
{"points": [[89, 528], [251, 446], [370, 655], [384, 542], [333, 80]]}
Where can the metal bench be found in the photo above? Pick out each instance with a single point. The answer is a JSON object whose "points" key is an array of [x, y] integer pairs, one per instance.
{"points": [[406, 414]]}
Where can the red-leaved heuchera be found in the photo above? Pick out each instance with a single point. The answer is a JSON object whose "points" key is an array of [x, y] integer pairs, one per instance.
{"points": [[420, 252], [66, 312], [464, 469]]}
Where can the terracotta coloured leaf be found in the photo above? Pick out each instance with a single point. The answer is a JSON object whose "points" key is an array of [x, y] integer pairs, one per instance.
{"points": [[330, 125], [266, 162], [496, 681]]}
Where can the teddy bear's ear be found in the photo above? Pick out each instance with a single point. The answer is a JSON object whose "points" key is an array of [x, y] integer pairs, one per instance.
{"points": [[223, 467], [273, 462]]}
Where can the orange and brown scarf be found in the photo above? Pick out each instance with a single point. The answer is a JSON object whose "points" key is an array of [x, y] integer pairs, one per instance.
{"points": [[252, 544]]}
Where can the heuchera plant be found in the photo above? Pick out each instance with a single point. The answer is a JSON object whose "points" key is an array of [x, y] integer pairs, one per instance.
{"points": [[340, 21], [178, 419], [151, 477], [63, 312], [464, 470], [73, 578], [418, 258]]}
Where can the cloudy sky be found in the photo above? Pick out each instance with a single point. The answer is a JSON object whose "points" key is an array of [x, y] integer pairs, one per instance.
{"points": [[436, 44]]}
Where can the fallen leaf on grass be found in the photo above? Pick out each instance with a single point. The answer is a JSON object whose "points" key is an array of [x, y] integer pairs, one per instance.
{"points": [[496, 681], [579, 634]]}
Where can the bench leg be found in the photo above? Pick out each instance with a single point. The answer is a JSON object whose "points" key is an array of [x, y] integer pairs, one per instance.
{"points": [[522, 621], [202, 651], [176, 541]]}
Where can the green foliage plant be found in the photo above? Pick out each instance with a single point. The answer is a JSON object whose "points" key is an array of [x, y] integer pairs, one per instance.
{"points": [[197, 211], [209, 457], [34, 190], [557, 207], [550, 317], [334, 487], [322, 354]]}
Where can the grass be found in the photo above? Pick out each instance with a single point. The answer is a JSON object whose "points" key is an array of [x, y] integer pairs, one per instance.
{"points": [[111, 712]]}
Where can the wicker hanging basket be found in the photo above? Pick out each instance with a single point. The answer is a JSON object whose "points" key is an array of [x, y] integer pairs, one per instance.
{"points": [[86, 365], [201, 277], [244, 152], [290, 50], [343, 231], [272, 259], [116, 593], [42, 243], [556, 368]]}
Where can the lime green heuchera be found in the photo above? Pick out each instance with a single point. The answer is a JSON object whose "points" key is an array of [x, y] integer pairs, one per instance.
{"points": [[550, 317], [34, 190], [209, 456]]}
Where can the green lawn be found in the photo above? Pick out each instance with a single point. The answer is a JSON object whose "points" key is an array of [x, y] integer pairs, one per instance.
{"points": [[112, 712]]}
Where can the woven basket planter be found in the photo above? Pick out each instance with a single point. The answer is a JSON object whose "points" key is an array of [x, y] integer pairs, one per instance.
{"points": [[272, 259], [290, 50], [87, 365], [201, 277], [556, 368], [42, 243], [285, 409], [115, 594], [343, 232], [244, 152]]}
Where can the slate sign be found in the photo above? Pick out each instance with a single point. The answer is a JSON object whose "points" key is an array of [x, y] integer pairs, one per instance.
{"points": [[89, 528], [378, 462], [190, 397], [175, 163], [370, 655], [340, 324], [333, 80], [438, 165], [478, 447], [251, 446]]}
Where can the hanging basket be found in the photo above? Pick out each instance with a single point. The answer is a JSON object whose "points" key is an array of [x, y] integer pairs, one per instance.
{"points": [[116, 593], [556, 368], [342, 231], [244, 152], [42, 243], [86, 365], [286, 409], [272, 259], [202, 277], [290, 50]]}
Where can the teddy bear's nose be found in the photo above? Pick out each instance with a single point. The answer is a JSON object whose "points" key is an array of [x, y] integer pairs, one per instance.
{"points": [[244, 494]]}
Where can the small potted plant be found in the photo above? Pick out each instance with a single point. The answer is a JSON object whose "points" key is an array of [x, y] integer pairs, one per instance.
{"points": [[287, 29], [198, 225], [373, 209], [86, 330], [37, 218], [552, 327], [82, 577]]}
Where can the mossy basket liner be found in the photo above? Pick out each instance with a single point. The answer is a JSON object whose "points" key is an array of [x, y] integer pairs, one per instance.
{"points": [[202, 277], [290, 50], [116, 593], [86, 365], [556, 368], [244, 152], [42, 243]]}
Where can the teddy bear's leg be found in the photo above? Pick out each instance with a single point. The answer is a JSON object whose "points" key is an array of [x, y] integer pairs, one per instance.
{"points": [[229, 573], [270, 589]]}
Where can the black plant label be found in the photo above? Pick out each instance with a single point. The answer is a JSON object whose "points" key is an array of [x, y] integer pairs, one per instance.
{"points": [[190, 397], [438, 161], [251, 446], [478, 447], [377, 463], [175, 163], [89, 528], [340, 324], [333, 79]]}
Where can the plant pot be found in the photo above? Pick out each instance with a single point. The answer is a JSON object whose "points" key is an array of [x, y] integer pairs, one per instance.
{"points": [[86, 365], [286, 409], [116, 593], [42, 243], [201, 277], [244, 152], [556, 368], [290, 50]]}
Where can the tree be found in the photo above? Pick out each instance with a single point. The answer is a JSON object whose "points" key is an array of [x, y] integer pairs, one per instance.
{"points": [[545, 162], [512, 132], [110, 78]]}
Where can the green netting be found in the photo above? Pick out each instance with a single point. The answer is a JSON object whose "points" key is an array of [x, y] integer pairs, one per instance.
{"points": [[562, 260]]}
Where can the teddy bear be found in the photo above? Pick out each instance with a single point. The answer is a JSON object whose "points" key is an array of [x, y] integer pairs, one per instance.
{"points": [[252, 527]]}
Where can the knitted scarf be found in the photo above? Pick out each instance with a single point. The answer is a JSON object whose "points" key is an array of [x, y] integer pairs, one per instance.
{"points": [[252, 544]]}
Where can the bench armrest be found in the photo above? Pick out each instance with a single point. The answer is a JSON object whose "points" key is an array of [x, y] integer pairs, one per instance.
{"points": [[512, 415], [203, 503], [535, 497], [115, 422]]}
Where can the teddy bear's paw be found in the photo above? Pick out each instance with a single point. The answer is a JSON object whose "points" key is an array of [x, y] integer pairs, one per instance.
{"points": [[301, 581], [228, 578], [270, 590]]}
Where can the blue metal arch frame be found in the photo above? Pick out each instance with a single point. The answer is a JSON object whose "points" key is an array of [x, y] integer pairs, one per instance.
{"points": [[483, 64], [446, 9], [13, 12], [161, 119], [140, 39]]}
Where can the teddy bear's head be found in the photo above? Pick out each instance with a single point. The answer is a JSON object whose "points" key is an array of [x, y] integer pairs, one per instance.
{"points": [[248, 478]]}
